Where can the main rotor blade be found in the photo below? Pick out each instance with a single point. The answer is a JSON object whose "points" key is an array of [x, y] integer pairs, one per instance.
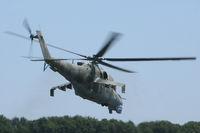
{"points": [[27, 26], [55, 59], [115, 67], [113, 37], [150, 59], [51, 59], [50, 45]]}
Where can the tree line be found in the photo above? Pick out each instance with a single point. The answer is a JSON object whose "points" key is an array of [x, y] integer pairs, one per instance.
{"points": [[79, 124]]}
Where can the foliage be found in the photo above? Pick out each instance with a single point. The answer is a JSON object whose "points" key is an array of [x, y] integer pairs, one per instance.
{"points": [[79, 124]]}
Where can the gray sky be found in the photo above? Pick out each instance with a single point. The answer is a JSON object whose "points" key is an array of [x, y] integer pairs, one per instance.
{"points": [[159, 91]]}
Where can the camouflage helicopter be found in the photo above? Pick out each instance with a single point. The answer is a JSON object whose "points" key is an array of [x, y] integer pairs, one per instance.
{"points": [[88, 79]]}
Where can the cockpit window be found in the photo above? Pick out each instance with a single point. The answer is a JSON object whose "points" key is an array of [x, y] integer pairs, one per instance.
{"points": [[80, 63], [105, 75]]}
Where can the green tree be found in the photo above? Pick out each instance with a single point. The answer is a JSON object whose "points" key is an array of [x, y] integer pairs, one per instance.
{"points": [[191, 127], [79, 124], [5, 125], [158, 127]]}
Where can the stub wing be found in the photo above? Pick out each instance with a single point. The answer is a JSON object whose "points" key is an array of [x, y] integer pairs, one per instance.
{"points": [[61, 87], [108, 82]]}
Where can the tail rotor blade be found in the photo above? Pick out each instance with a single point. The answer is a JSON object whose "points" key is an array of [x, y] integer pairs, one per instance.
{"points": [[17, 35], [30, 49], [27, 26]]}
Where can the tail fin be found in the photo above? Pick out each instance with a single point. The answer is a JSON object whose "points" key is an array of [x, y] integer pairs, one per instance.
{"points": [[43, 46]]}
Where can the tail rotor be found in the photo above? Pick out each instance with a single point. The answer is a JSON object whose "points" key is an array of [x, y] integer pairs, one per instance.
{"points": [[27, 27]]}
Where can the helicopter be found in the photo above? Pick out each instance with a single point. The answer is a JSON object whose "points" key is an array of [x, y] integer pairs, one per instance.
{"points": [[87, 78]]}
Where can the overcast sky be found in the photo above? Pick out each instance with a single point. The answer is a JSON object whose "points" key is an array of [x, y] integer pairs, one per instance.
{"points": [[158, 91]]}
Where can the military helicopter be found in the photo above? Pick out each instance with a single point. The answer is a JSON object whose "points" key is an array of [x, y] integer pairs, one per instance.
{"points": [[88, 79]]}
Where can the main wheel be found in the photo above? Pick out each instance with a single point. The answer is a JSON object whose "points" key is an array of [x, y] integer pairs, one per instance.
{"points": [[110, 111]]}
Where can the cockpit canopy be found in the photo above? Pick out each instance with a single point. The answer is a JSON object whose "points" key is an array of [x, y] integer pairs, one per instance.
{"points": [[83, 64], [80, 63]]}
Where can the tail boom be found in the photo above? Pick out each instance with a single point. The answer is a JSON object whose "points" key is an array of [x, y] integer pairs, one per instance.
{"points": [[43, 46]]}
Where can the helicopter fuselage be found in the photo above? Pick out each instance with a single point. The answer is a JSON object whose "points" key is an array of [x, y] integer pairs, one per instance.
{"points": [[83, 77]]}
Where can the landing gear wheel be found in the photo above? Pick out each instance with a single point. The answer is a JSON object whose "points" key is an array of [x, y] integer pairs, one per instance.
{"points": [[110, 111]]}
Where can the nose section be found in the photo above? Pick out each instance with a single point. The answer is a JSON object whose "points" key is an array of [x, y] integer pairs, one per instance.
{"points": [[119, 109]]}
